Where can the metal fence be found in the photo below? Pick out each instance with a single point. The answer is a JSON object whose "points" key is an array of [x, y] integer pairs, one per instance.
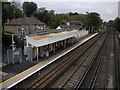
{"points": [[13, 56]]}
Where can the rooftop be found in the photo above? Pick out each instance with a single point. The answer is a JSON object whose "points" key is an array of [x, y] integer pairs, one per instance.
{"points": [[39, 37], [75, 22], [24, 21]]}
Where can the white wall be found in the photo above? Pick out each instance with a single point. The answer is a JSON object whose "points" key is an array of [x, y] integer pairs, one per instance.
{"points": [[58, 27]]}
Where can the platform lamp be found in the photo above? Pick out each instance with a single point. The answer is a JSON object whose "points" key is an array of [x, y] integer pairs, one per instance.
{"points": [[13, 47]]}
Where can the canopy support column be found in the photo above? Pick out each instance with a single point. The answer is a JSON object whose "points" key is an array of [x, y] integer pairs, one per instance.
{"points": [[37, 54]]}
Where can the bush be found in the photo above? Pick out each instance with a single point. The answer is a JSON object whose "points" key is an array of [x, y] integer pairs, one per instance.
{"points": [[7, 40]]}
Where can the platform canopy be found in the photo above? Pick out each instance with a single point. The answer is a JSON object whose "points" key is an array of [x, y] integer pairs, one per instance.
{"points": [[42, 40]]}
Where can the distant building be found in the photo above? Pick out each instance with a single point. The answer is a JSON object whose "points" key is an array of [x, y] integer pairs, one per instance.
{"points": [[72, 25], [62, 27], [75, 24], [24, 25], [119, 9]]}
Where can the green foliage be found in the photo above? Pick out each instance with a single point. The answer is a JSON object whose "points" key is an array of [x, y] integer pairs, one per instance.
{"points": [[13, 10], [47, 17], [116, 24], [10, 10], [110, 23], [94, 20], [47, 28], [62, 18], [72, 14], [29, 8], [18, 13], [9, 32], [63, 21], [17, 10], [7, 40], [80, 17], [53, 20]]}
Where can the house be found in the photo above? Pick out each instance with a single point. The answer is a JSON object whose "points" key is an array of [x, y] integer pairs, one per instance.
{"points": [[24, 25], [72, 25], [62, 27], [75, 24]]}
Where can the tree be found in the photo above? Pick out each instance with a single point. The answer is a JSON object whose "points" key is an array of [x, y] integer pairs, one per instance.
{"points": [[63, 21], [10, 10], [62, 18], [116, 24], [72, 14], [110, 23], [80, 17], [47, 16], [29, 8], [7, 13], [17, 9], [93, 21]]}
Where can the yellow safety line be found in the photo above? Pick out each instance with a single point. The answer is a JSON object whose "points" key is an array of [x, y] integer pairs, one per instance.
{"points": [[28, 69], [20, 73]]}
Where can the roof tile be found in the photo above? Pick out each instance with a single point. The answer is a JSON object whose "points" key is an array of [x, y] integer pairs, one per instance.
{"points": [[25, 21]]}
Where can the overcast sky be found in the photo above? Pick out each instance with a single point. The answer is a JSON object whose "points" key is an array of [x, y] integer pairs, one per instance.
{"points": [[108, 9]]}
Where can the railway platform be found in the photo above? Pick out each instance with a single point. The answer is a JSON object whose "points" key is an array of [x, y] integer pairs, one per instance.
{"points": [[14, 78]]}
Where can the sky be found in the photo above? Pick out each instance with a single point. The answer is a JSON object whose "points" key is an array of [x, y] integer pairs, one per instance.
{"points": [[108, 9]]}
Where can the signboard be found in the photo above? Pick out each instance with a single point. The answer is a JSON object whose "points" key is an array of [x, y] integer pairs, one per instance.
{"points": [[17, 52]]}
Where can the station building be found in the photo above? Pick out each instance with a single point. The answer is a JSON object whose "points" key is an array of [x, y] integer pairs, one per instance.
{"points": [[38, 45]]}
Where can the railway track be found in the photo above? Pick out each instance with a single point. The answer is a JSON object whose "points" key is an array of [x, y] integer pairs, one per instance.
{"points": [[62, 68], [104, 70], [117, 61], [29, 82], [101, 74], [92, 76], [75, 72], [93, 67], [95, 64]]}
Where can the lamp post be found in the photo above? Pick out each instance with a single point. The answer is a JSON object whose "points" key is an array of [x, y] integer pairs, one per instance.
{"points": [[13, 47]]}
